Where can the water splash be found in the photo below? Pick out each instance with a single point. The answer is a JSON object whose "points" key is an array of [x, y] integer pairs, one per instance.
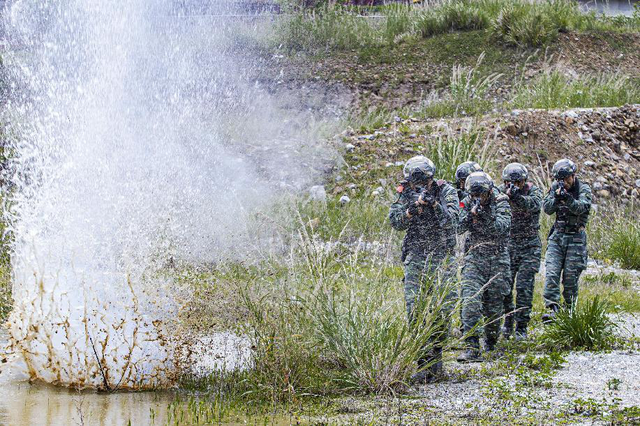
{"points": [[139, 138]]}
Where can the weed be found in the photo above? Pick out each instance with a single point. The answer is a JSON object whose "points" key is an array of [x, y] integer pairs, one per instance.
{"points": [[614, 384], [447, 153], [586, 326]]}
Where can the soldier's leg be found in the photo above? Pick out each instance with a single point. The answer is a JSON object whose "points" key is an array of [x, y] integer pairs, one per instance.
{"points": [[413, 271], [508, 305], [525, 283], [553, 262], [493, 297], [472, 282], [575, 263]]}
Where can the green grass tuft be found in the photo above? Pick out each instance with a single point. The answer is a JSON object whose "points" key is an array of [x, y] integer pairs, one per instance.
{"points": [[585, 327]]}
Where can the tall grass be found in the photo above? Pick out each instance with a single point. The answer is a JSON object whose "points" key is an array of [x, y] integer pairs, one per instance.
{"points": [[552, 89], [587, 326], [518, 22], [334, 323], [447, 153], [616, 236]]}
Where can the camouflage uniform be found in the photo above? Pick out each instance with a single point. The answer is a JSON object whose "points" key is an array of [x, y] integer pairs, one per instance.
{"points": [[425, 246], [485, 274], [525, 250], [567, 243]]}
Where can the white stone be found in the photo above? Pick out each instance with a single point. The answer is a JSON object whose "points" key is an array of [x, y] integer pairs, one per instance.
{"points": [[344, 199], [318, 193], [350, 147]]}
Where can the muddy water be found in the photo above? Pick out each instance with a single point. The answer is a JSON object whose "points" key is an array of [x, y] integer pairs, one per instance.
{"points": [[22, 403]]}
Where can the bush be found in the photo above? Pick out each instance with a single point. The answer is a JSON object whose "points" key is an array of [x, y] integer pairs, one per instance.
{"points": [[451, 16], [524, 25], [554, 90], [587, 326]]}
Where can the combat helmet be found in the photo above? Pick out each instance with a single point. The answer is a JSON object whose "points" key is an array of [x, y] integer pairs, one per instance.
{"points": [[465, 169], [564, 168], [419, 169], [514, 172], [478, 183]]}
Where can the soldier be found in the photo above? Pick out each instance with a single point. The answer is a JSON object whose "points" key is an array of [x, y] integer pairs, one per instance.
{"points": [[485, 275], [525, 247], [570, 199], [424, 209], [462, 172]]}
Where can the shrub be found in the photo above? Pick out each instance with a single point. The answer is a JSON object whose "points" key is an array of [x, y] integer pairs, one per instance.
{"points": [[451, 16], [587, 326], [524, 25]]}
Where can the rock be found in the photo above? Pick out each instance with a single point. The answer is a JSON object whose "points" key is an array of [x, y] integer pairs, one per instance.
{"points": [[352, 186], [344, 200], [397, 119], [413, 136], [318, 193], [597, 186], [589, 163], [604, 193], [626, 157], [399, 163], [596, 135], [383, 182], [637, 183], [511, 129], [634, 193], [389, 165], [339, 178], [350, 147]]}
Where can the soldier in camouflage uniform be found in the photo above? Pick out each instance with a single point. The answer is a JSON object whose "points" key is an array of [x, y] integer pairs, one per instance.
{"points": [[485, 275], [424, 208], [462, 172], [525, 247], [570, 199]]}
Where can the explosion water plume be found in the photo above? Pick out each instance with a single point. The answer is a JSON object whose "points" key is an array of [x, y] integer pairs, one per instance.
{"points": [[137, 137]]}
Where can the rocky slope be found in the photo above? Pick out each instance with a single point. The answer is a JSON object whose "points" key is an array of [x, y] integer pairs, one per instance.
{"points": [[604, 142]]}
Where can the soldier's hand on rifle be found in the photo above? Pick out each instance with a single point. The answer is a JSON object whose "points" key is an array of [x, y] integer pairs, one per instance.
{"points": [[414, 210], [427, 199]]}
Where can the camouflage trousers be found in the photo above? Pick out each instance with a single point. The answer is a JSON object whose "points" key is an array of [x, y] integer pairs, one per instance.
{"points": [[524, 254], [424, 274], [567, 256], [485, 282]]}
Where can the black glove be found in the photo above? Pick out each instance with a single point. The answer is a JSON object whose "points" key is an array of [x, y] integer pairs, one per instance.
{"points": [[427, 198], [514, 192], [414, 209]]}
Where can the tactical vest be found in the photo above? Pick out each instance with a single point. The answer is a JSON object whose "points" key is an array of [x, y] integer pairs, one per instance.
{"points": [[524, 223], [482, 239], [567, 222], [425, 233]]}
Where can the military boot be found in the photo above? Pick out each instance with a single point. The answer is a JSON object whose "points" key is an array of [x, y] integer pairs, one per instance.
{"points": [[472, 354], [550, 315], [507, 328], [521, 332]]}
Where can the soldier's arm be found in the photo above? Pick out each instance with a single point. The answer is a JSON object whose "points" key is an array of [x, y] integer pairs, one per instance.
{"points": [[531, 202], [465, 216], [398, 215], [583, 203], [502, 222], [549, 204], [451, 210]]}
